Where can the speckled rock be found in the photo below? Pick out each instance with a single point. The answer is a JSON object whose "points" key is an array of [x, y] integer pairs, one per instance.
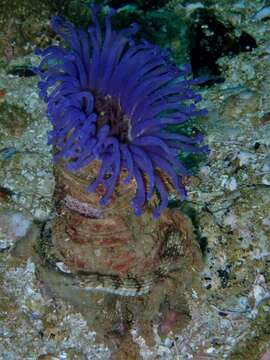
{"points": [[227, 308], [24, 24], [13, 227]]}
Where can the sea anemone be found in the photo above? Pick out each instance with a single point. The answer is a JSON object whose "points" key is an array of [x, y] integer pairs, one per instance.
{"points": [[112, 99]]}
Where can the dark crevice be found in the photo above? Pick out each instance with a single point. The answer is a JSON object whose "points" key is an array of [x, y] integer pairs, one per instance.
{"points": [[193, 215], [141, 4], [22, 71], [210, 39]]}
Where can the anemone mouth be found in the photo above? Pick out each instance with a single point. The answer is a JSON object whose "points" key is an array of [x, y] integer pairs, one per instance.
{"points": [[109, 112]]}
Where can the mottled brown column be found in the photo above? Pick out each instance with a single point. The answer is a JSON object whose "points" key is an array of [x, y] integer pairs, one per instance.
{"points": [[124, 252]]}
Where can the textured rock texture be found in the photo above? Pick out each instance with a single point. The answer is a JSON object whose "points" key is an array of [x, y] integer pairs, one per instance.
{"points": [[222, 308]]}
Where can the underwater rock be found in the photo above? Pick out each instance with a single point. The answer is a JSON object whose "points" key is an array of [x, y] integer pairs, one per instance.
{"points": [[14, 120], [233, 227], [14, 226], [24, 29], [262, 14], [211, 39]]}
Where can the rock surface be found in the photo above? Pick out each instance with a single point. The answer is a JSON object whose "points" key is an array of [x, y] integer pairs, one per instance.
{"points": [[228, 306]]}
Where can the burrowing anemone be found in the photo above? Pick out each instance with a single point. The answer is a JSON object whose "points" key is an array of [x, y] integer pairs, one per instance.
{"points": [[113, 100]]}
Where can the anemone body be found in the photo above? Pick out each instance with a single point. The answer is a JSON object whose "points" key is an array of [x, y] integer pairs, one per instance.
{"points": [[112, 99]]}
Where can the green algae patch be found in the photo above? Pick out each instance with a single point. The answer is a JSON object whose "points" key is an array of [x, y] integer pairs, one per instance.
{"points": [[259, 336], [23, 30], [13, 121]]}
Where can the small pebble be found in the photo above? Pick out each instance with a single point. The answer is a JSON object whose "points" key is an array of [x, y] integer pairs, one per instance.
{"points": [[262, 14], [266, 179], [13, 226], [8, 152]]}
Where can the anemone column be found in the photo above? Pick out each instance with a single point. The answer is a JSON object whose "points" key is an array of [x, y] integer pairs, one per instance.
{"points": [[109, 248]]}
